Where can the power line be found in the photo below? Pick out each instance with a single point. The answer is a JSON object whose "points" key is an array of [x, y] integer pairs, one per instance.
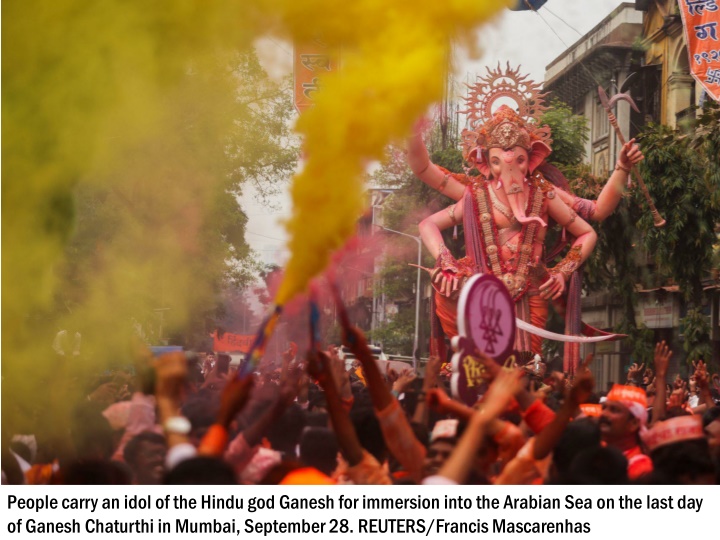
{"points": [[564, 22], [280, 46], [592, 76], [264, 236]]}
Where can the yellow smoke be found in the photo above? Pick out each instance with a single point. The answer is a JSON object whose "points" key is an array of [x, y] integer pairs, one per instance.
{"points": [[124, 106], [394, 60]]}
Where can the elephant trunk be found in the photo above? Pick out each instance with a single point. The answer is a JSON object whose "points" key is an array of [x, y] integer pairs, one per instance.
{"points": [[517, 205]]}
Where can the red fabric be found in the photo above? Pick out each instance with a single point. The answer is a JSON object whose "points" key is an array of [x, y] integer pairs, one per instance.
{"points": [[538, 317], [638, 463], [538, 415], [447, 313]]}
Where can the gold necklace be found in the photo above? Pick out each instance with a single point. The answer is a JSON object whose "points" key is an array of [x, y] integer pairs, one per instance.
{"points": [[499, 206]]}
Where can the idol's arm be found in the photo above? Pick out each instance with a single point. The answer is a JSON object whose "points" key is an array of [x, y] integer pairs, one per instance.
{"points": [[431, 227], [585, 239], [428, 172], [613, 190], [448, 272]]}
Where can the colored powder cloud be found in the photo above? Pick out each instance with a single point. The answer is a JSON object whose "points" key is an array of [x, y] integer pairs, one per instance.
{"points": [[115, 119]]}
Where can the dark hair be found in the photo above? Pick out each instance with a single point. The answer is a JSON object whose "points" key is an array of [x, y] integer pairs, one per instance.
{"points": [[598, 466], [223, 362], [201, 409], [579, 435], [369, 433], [285, 432], [674, 412], [134, 445], [319, 448], [96, 472], [316, 419], [202, 470], [710, 416], [316, 398], [684, 462]]}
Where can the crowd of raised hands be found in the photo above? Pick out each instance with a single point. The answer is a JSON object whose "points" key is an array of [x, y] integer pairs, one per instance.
{"points": [[313, 419]]}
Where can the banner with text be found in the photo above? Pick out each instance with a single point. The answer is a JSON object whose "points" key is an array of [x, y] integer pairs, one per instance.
{"points": [[228, 342], [311, 62], [701, 19]]}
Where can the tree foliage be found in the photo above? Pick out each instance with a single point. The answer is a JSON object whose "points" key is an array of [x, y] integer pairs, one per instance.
{"points": [[615, 265], [255, 146], [570, 133], [683, 175], [411, 203], [682, 171]]}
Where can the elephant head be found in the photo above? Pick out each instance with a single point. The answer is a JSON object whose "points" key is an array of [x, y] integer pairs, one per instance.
{"points": [[510, 168], [506, 151]]}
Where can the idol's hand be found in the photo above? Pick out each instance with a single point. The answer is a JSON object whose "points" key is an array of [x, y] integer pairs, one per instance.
{"points": [[630, 154], [446, 282], [553, 287]]}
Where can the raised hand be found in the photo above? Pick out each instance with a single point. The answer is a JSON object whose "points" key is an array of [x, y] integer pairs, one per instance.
{"points": [[506, 384], [432, 371], [318, 367], [662, 359], [630, 154], [634, 372], [581, 390], [340, 375], [701, 374], [171, 372], [404, 381]]}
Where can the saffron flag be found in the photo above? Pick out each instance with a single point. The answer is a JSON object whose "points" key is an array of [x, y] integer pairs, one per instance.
{"points": [[228, 342], [701, 19], [311, 62]]}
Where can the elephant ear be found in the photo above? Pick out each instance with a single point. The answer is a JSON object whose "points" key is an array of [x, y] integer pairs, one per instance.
{"points": [[539, 151], [476, 156]]}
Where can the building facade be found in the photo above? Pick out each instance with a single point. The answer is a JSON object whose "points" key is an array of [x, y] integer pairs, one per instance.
{"points": [[639, 49]]}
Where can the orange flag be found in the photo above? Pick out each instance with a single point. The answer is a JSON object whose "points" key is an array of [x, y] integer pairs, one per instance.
{"points": [[701, 19]]}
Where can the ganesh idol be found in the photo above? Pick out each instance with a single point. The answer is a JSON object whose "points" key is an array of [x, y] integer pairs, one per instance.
{"points": [[506, 208]]}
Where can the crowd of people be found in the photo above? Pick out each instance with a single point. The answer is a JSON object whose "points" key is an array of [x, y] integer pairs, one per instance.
{"points": [[314, 420]]}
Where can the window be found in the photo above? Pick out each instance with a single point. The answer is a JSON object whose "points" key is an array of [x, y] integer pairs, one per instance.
{"points": [[601, 123]]}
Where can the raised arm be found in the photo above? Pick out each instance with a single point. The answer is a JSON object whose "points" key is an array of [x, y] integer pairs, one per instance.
{"points": [[458, 465], [576, 395], [613, 190], [702, 380], [662, 360], [432, 371], [171, 373], [615, 187], [399, 436], [318, 365], [432, 226], [428, 172]]}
